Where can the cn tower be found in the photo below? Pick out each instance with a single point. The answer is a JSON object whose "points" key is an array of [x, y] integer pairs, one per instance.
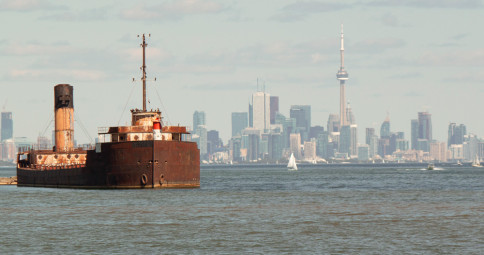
{"points": [[342, 76]]}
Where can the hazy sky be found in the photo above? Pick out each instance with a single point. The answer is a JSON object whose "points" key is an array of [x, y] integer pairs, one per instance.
{"points": [[402, 57]]}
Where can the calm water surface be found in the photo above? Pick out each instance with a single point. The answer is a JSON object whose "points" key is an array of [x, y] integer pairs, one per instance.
{"points": [[265, 210]]}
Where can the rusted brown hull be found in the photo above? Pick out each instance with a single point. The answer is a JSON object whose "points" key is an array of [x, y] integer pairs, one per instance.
{"points": [[124, 165]]}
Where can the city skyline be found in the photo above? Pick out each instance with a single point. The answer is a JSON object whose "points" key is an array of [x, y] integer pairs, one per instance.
{"points": [[208, 54]]}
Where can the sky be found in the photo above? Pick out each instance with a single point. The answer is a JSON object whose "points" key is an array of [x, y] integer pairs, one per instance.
{"points": [[402, 57]]}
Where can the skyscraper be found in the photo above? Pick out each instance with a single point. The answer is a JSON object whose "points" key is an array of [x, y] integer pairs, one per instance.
{"points": [[198, 119], [7, 126], [350, 117], [369, 133], [274, 108], [342, 76], [295, 145], [414, 134], [213, 141], [385, 128], [333, 123], [353, 140], [302, 114], [261, 111], [239, 122], [456, 134], [202, 140], [425, 126], [315, 131], [345, 140], [422, 132]]}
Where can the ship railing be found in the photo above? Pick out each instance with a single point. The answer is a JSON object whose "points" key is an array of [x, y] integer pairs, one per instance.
{"points": [[102, 130], [58, 166]]}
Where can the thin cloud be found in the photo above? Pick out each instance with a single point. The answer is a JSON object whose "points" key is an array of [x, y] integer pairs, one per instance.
{"points": [[228, 86], [85, 15], [459, 37], [410, 75], [300, 10], [378, 46], [453, 58], [463, 78], [391, 20], [30, 49], [28, 5], [60, 74], [412, 94], [173, 10], [460, 4]]}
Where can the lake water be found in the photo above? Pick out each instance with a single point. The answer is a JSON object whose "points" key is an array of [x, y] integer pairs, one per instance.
{"points": [[257, 209]]}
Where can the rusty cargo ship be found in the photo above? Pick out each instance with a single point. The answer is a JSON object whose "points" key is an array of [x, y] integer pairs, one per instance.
{"points": [[146, 154]]}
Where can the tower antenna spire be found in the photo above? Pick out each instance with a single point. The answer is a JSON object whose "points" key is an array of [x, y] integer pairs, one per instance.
{"points": [[143, 69], [342, 76], [342, 49]]}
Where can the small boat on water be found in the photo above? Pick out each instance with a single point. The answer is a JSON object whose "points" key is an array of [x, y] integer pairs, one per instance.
{"points": [[459, 163], [430, 166], [292, 166], [476, 162]]}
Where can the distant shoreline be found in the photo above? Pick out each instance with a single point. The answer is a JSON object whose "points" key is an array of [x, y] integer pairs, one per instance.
{"points": [[376, 165], [7, 164]]}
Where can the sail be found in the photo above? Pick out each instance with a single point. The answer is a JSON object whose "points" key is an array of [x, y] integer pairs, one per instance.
{"points": [[476, 162], [292, 162]]}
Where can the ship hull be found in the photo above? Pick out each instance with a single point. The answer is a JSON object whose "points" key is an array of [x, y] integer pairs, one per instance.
{"points": [[123, 165]]}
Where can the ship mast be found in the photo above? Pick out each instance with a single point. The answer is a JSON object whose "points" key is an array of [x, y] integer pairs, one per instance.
{"points": [[143, 68]]}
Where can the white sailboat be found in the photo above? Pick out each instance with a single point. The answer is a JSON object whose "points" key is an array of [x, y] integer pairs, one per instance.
{"points": [[476, 162], [292, 163]]}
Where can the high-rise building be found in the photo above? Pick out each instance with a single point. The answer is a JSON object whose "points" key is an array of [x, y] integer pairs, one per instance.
{"points": [[471, 144], [414, 134], [385, 128], [261, 111], [345, 140], [302, 114], [235, 145], [383, 147], [251, 115], [456, 134], [288, 128], [213, 141], [315, 131], [7, 126], [350, 117], [354, 140], [295, 145], [425, 126], [480, 150], [421, 132], [198, 119], [239, 123], [275, 146], [342, 76], [456, 151], [333, 123], [363, 152], [373, 145], [200, 137], [322, 145], [253, 147], [274, 105], [250, 143], [438, 151], [310, 150], [369, 133]]}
